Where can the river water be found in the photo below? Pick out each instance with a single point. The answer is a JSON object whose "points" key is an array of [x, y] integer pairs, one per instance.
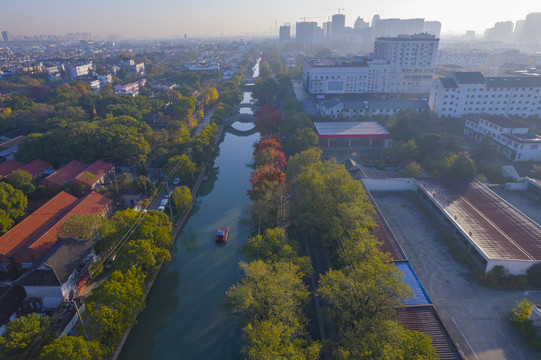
{"points": [[184, 316]]}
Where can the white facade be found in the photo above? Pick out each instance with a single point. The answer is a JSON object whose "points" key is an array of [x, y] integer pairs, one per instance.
{"points": [[336, 109], [403, 64], [513, 139], [81, 70], [471, 93]]}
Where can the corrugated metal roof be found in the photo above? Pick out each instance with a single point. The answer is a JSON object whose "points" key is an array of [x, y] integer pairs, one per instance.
{"points": [[426, 320], [350, 129], [419, 295], [498, 229]]}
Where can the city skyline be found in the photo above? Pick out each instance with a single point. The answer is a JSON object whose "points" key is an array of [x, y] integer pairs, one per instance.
{"points": [[165, 18]]}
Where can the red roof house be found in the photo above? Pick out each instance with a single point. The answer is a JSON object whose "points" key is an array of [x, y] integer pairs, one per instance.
{"points": [[65, 174]]}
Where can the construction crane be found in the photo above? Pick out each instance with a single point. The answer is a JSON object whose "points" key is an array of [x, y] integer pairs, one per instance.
{"points": [[335, 9], [312, 17]]}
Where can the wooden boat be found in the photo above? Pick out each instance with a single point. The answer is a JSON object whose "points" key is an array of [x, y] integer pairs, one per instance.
{"points": [[222, 234]]}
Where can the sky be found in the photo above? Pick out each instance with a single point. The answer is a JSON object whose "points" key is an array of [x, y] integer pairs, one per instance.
{"points": [[157, 18]]}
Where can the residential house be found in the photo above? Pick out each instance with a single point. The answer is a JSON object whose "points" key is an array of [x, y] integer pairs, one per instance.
{"points": [[27, 241], [95, 175], [61, 273]]}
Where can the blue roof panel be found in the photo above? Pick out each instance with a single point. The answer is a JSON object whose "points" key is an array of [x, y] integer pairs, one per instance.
{"points": [[419, 295]]}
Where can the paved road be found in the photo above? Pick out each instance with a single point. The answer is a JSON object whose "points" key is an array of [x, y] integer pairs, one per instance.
{"points": [[308, 103], [206, 119], [474, 315]]}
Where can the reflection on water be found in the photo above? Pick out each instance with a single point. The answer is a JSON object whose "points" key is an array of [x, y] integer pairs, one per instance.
{"points": [[185, 317]]}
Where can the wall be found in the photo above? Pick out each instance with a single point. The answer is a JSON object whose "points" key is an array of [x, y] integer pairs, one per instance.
{"points": [[535, 316], [50, 295], [390, 184], [516, 186]]}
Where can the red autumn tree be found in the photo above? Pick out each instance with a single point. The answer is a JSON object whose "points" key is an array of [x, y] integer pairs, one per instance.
{"points": [[268, 119], [262, 177], [267, 143]]}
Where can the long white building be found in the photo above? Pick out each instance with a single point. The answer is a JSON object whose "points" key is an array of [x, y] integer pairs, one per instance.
{"points": [[471, 93], [513, 138], [402, 64]]}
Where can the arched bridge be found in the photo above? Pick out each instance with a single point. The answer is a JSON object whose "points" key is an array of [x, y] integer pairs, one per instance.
{"points": [[244, 118], [234, 110]]}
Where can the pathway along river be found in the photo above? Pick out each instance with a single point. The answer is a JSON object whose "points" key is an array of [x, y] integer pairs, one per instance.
{"points": [[184, 318]]}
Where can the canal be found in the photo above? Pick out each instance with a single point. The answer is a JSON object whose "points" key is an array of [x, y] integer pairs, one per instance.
{"points": [[185, 318]]}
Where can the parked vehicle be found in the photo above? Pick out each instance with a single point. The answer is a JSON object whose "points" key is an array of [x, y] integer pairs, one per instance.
{"points": [[161, 208], [176, 181], [164, 202]]}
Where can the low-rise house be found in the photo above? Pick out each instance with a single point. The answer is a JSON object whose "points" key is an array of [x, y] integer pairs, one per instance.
{"points": [[27, 241], [64, 175], [8, 148], [93, 176], [36, 168], [61, 273], [513, 138], [352, 109]]}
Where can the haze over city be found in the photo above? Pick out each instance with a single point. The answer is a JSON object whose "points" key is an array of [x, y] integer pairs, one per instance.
{"points": [[164, 18]]}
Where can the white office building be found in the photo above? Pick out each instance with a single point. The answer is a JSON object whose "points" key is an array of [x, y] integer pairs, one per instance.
{"points": [[471, 93], [403, 64], [513, 138], [80, 70]]}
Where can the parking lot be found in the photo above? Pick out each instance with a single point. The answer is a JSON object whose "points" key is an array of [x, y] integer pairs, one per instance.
{"points": [[475, 316]]}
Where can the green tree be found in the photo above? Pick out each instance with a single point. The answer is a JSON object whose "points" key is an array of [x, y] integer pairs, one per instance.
{"points": [[181, 198], [302, 139], [25, 335], [486, 149], [72, 348], [181, 166], [21, 180], [413, 169], [112, 306], [461, 166], [272, 246], [269, 340], [535, 172], [270, 291], [142, 254], [12, 206], [86, 227], [403, 150], [143, 185]]}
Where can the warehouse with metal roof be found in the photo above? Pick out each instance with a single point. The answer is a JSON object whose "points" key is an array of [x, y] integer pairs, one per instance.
{"points": [[498, 232]]}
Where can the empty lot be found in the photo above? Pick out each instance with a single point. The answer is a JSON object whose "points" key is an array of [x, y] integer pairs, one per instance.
{"points": [[475, 316]]}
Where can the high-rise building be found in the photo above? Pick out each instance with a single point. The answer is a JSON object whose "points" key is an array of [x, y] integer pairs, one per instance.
{"points": [[531, 33], [432, 27], [5, 35], [306, 32], [338, 24], [403, 64], [285, 33], [502, 31]]}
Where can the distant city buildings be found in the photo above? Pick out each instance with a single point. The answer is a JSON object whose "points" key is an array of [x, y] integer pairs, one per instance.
{"points": [[285, 33], [402, 64], [465, 93]]}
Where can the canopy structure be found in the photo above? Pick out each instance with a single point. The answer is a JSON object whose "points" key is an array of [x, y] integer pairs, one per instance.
{"points": [[351, 130]]}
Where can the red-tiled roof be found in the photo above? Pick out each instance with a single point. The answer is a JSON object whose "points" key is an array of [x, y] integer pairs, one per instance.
{"points": [[37, 167], [36, 223], [65, 174], [97, 170], [426, 320], [9, 166], [93, 204]]}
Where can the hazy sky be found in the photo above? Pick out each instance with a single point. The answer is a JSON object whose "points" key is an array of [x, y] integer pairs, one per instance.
{"points": [[214, 17]]}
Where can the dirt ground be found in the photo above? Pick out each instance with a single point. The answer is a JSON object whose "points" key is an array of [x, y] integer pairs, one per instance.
{"points": [[475, 316]]}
